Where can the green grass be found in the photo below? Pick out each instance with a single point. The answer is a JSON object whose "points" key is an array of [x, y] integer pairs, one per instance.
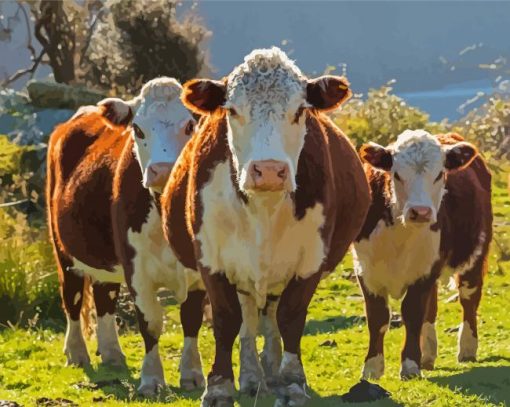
{"points": [[32, 362]]}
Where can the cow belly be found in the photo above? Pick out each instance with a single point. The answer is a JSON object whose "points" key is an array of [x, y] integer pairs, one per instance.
{"points": [[259, 249], [155, 264], [394, 257]]}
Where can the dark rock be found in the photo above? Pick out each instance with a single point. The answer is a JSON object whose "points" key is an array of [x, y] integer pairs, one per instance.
{"points": [[47, 402], [61, 96], [7, 403], [364, 392], [330, 343], [451, 330]]}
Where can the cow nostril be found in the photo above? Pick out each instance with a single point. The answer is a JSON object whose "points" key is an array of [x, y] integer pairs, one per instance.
{"points": [[257, 172], [282, 173], [153, 170]]}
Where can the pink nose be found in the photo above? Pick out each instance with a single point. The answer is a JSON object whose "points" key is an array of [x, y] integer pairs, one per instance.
{"points": [[268, 175], [420, 214], [157, 174]]}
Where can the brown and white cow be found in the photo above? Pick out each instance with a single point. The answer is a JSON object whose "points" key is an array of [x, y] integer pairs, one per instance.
{"points": [[106, 168], [430, 217], [267, 196]]}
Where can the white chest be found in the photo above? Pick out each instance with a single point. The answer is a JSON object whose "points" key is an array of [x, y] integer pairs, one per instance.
{"points": [[259, 248], [394, 257], [155, 263]]}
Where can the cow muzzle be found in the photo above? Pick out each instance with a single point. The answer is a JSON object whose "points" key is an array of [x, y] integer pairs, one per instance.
{"points": [[157, 174], [268, 176], [419, 214]]}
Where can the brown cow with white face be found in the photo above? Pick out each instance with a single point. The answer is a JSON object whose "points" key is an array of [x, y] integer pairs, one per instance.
{"points": [[431, 216], [106, 168], [270, 194]]}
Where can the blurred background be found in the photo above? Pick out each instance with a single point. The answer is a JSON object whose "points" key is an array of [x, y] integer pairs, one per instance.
{"points": [[443, 66]]}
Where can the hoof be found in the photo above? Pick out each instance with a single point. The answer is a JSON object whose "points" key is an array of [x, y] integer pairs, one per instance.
{"points": [[409, 370], [193, 383], [466, 358], [251, 388], [218, 393], [80, 358], [293, 395], [151, 386], [114, 358], [427, 364], [373, 368]]}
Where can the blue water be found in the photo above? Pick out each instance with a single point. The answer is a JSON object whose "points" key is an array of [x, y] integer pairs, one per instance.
{"points": [[444, 103]]}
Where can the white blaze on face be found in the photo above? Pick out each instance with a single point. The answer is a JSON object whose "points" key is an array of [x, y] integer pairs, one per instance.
{"points": [[418, 167], [161, 125], [265, 98]]}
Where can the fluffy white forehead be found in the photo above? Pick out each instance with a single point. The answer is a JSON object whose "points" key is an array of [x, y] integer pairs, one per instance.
{"points": [[267, 80], [418, 149], [159, 100]]}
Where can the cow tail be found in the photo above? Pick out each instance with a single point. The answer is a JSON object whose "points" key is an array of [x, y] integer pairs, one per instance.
{"points": [[87, 308]]}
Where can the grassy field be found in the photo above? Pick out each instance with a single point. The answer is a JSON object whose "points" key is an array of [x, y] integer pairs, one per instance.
{"points": [[32, 363]]}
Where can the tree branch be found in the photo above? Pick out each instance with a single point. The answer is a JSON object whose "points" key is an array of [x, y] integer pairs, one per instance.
{"points": [[18, 74]]}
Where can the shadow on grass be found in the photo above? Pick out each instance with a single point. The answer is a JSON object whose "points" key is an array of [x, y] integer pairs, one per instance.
{"points": [[332, 324], [118, 383], [491, 383]]}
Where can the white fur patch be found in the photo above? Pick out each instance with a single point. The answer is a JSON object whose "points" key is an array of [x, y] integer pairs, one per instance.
{"points": [[112, 294], [428, 344], [465, 291], [409, 369], [77, 298], [373, 367], [259, 246], [271, 356], [468, 343], [74, 344], [394, 257], [190, 366], [156, 266], [468, 265], [384, 328], [99, 275], [108, 341]]}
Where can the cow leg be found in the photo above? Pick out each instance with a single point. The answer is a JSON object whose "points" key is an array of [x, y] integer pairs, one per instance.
{"points": [[251, 377], [291, 317], [191, 321], [150, 320], [271, 356], [72, 292], [378, 319], [108, 346], [428, 336], [227, 318], [413, 315], [470, 293]]}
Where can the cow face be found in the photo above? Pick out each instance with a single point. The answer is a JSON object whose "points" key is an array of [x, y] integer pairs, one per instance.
{"points": [[265, 100], [418, 164], [160, 124]]}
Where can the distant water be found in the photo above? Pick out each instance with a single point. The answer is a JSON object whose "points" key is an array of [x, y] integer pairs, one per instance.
{"points": [[445, 102]]}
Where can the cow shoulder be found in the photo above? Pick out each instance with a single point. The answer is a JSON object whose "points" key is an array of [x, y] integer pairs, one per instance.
{"points": [[351, 192]]}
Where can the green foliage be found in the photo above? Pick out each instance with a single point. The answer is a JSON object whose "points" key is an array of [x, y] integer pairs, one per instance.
{"points": [[381, 117]]}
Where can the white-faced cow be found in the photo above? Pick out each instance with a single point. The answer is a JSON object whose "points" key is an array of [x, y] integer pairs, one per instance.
{"points": [[106, 168], [267, 196], [430, 217]]}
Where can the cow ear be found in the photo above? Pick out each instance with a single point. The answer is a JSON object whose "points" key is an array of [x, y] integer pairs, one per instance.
{"points": [[327, 92], [377, 156], [117, 110], [203, 96], [459, 155]]}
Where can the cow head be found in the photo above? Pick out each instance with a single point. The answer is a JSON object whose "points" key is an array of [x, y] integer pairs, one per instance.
{"points": [[160, 127], [418, 164], [265, 101]]}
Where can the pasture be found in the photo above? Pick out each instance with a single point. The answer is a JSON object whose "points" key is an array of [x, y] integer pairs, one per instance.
{"points": [[32, 368]]}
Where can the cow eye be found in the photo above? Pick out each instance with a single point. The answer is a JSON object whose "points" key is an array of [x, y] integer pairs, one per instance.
{"points": [[397, 177], [439, 176], [138, 132], [190, 126], [233, 112]]}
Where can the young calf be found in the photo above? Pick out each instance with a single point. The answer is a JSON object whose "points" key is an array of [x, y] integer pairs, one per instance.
{"points": [[267, 196], [430, 217], [106, 167]]}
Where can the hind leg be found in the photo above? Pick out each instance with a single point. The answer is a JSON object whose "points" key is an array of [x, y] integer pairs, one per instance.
{"points": [[428, 336], [190, 367], [470, 293], [271, 356], [108, 346], [72, 291]]}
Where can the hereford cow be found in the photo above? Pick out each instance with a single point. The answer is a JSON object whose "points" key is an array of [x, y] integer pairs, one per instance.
{"points": [[430, 217], [267, 196], [106, 168]]}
